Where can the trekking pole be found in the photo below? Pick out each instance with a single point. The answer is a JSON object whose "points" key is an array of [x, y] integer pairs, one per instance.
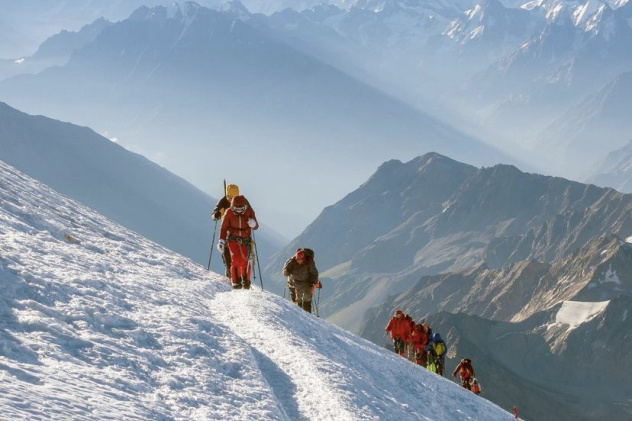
{"points": [[212, 247], [213, 243], [318, 304], [251, 263], [257, 257], [315, 305], [252, 253]]}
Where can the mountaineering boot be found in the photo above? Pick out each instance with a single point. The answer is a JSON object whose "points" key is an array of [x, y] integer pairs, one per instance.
{"points": [[235, 278], [245, 283], [307, 306], [226, 260]]}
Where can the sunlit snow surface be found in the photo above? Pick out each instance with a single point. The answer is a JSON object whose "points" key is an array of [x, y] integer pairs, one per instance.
{"points": [[574, 313], [98, 323]]}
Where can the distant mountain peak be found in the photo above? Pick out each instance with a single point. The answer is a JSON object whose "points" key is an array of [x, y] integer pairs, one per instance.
{"points": [[598, 20], [560, 14], [422, 164], [491, 22], [429, 157], [588, 16], [586, 11], [174, 11], [190, 8], [436, 159], [492, 5], [504, 169], [234, 7], [186, 11]]}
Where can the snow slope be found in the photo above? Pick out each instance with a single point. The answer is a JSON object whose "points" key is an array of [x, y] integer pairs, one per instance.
{"points": [[98, 323]]}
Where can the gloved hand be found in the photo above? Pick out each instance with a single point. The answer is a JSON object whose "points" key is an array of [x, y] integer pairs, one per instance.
{"points": [[318, 285], [217, 216], [252, 223], [220, 246]]}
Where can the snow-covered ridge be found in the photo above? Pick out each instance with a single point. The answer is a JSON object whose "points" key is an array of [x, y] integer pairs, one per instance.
{"points": [[589, 8], [189, 11], [100, 323]]}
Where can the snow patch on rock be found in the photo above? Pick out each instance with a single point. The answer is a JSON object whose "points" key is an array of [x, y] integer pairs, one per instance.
{"points": [[611, 276], [574, 313]]}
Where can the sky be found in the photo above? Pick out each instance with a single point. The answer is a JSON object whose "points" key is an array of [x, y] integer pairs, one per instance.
{"points": [[98, 323]]}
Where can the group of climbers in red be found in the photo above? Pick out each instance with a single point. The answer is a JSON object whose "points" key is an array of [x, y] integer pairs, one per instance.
{"points": [[416, 342], [236, 245]]}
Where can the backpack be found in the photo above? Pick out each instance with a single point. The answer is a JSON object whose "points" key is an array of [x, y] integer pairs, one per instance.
{"points": [[439, 348], [475, 387], [420, 332]]}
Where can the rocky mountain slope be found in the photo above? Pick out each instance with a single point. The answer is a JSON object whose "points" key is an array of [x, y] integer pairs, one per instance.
{"points": [[434, 215], [600, 271]]}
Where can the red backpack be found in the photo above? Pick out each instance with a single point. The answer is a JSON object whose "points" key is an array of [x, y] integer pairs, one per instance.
{"points": [[420, 334], [476, 388]]}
